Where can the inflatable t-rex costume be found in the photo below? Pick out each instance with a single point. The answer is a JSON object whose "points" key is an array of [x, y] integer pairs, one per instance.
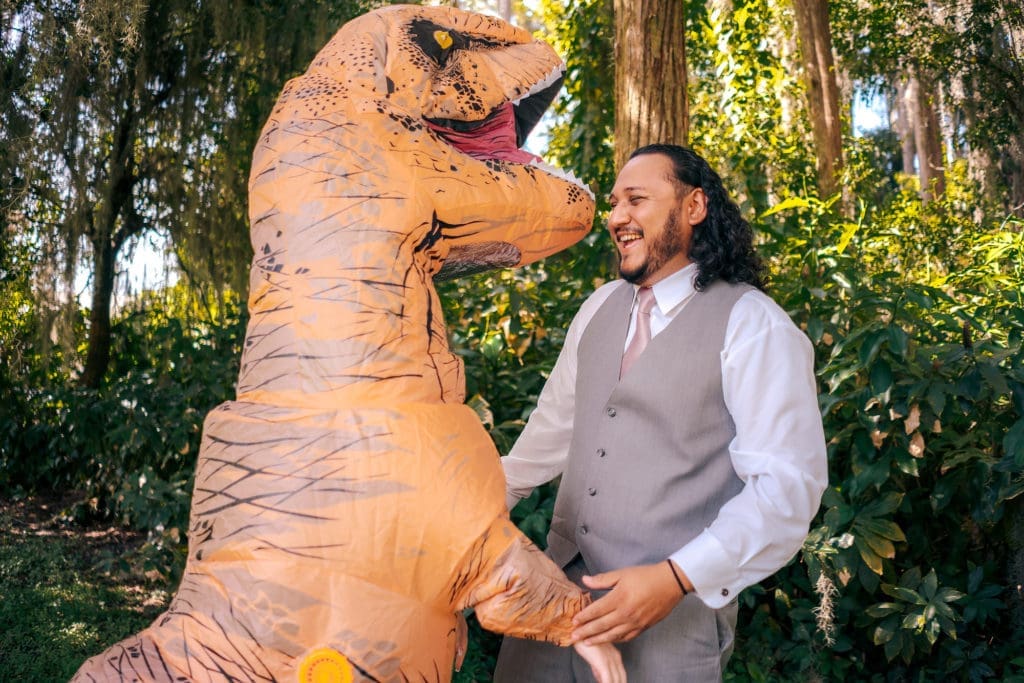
{"points": [[347, 505]]}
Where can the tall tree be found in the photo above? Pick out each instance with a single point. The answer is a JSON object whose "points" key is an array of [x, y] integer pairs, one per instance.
{"points": [[15, 125], [145, 114], [956, 59], [922, 106], [822, 90], [650, 74]]}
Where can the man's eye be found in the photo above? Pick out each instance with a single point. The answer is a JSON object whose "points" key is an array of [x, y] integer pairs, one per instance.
{"points": [[635, 200]]}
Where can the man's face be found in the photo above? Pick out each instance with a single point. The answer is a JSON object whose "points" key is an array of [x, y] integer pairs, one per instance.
{"points": [[650, 223]]}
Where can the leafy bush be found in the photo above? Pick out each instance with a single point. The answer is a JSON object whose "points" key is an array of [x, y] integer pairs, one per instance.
{"points": [[911, 567], [130, 446]]}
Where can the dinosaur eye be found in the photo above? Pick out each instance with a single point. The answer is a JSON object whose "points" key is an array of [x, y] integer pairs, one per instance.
{"points": [[443, 38]]}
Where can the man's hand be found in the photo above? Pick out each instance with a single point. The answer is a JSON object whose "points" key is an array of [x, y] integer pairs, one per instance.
{"points": [[639, 597], [605, 662]]}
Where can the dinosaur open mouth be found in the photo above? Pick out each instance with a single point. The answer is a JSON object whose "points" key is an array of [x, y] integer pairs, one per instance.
{"points": [[501, 134], [491, 138]]}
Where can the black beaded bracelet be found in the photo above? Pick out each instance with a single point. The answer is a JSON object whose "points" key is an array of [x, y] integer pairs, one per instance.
{"points": [[676, 577]]}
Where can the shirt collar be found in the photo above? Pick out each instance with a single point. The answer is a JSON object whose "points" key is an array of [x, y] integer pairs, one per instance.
{"points": [[673, 290]]}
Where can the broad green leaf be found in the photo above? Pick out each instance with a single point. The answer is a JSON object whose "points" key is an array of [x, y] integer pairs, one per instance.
{"points": [[1013, 443], [869, 556], [898, 340], [883, 609], [870, 346], [885, 505], [919, 298], [883, 527], [904, 594], [969, 385], [914, 621], [884, 632], [849, 230], [815, 329], [937, 397], [911, 578], [881, 377], [882, 547], [952, 594], [907, 463], [995, 378], [894, 646], [929, 585], [786, 204]]}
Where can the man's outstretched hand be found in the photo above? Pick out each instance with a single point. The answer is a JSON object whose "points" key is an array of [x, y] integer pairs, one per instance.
{"points": [[604, 660], [638, 597]]}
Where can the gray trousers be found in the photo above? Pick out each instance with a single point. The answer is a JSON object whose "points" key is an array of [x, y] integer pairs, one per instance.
{"points": [[691, 645]]}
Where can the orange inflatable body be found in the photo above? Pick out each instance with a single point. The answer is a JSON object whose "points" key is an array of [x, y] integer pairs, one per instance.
{"points": [[348, 505]]}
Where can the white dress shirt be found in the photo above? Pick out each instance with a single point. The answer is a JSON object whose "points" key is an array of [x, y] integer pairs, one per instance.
{"points": [[778, 452]]}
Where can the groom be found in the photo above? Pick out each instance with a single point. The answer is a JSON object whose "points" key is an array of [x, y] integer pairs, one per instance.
{"points": [[689, 440]]}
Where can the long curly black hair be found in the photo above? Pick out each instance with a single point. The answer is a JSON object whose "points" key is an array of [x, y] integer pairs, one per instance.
{"points": [[722, 244]]}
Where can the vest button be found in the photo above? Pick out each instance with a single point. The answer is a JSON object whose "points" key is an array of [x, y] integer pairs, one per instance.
{"points": [[725, 592], [583, 529], [600, 452], [592, 491], [611, 412]]}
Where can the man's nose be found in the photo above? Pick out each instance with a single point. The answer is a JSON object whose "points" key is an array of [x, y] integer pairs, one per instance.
{"points": [[617, 215]]}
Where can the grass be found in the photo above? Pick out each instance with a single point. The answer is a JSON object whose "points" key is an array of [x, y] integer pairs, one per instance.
{"points": [[58, 605], [66, 594]]}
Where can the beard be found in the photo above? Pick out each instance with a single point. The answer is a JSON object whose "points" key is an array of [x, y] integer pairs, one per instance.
{"points": [[660, 251]]}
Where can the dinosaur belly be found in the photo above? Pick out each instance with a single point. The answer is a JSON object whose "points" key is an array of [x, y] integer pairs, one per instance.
{"points": [[327, 512]]}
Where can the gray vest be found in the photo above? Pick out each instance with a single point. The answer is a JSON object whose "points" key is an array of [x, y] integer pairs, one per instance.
{"points": [[649, 464]]}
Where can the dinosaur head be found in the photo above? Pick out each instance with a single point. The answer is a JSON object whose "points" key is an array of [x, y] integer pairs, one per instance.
{"points": [[485, 122], [422, 110], [481, 85], [477, 81], [391, 162]]}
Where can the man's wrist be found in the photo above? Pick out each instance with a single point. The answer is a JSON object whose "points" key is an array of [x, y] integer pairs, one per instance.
{"points": [[685, 585], [675, 575]]}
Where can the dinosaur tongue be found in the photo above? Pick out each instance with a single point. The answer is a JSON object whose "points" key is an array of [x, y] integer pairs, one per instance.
{"points": [[494, 139]]}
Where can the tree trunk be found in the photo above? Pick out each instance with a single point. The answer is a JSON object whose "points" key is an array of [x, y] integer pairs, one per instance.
{"points": [[505, 9], [930, 164], [1013, 168], [903, 125], [116, 222], [822, 90], [650, 75], [98, 355]]}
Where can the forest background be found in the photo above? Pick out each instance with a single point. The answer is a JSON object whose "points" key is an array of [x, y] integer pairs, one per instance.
{"points": [[899, 250]]}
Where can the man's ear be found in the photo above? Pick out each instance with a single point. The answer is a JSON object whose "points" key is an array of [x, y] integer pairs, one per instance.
{"points": [[696, 206]]}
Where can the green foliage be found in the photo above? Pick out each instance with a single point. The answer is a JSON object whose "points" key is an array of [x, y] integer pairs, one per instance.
{"points": [[508, 327], [130, 446], [745, 117], [917, 320], [580, 138]]}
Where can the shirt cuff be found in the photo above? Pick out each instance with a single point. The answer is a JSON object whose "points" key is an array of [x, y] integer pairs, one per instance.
{"points": [[710, 569]]}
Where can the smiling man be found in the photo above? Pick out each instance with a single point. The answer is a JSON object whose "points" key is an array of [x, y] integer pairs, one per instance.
{"points": [[682, 416]]}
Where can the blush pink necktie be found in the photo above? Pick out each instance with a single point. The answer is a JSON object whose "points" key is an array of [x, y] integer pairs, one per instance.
{"points": [[643, 329]]}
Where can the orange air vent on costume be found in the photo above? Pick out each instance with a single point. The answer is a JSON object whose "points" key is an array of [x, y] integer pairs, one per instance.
{"points": [[347, 505]]}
